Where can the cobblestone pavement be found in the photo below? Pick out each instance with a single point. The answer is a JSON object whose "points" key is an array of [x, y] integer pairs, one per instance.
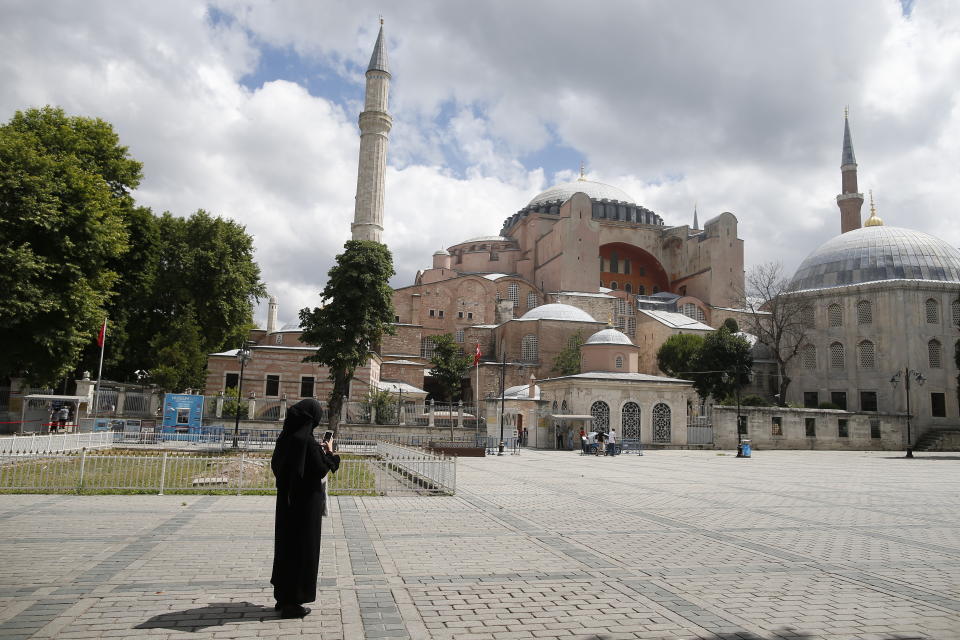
{"points": [[673, 544]]}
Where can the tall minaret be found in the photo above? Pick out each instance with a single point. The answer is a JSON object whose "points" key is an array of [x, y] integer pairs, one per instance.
{"points": [[850, 200], [375, 125]]}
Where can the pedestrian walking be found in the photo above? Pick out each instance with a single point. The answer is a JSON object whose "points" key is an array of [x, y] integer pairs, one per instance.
{"points": [[301, 465], [601, 436], [612, 443]]}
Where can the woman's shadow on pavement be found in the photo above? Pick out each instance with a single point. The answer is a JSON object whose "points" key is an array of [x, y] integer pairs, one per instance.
{"points": [[212, 615]]}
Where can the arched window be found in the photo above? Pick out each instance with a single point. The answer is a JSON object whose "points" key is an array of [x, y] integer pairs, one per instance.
{"points": [[836, 356], [955, 312], [426, 348], [628, 288], [661, 423], [807, 318], [864, 312], [934, 352], [641, 290], [529, 351], [600, 411], [933, 311], [808, 355], [619, 362], [459, 335], [531, 300], [279, 338], [513, 294], [835, 315], [613, 285], [564, 408], [630, 421], [554, 406], [866, 356]]}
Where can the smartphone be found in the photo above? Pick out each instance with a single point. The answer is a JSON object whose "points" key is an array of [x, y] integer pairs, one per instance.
{"points": [[327, 435]]}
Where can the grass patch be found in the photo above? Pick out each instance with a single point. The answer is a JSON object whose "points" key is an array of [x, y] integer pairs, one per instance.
{"points": [[113, 472]]}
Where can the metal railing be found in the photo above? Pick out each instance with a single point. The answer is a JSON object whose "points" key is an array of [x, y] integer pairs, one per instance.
{"points": [[395, 471], [36, 444]]}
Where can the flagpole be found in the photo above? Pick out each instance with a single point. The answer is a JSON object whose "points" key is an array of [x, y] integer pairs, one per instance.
{"points": [[476, 362], [103, 347]]}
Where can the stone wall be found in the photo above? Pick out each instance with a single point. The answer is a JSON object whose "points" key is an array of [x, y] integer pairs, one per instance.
{"points": [[760, 429]]}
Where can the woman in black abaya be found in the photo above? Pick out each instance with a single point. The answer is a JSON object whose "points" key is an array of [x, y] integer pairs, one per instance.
{"points": [[300, 464]]}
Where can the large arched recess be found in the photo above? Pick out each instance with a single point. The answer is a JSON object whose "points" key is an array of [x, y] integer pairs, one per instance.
{"points": [[626, 264]]}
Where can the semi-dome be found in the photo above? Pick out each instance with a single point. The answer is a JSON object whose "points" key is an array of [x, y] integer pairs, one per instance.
{"points": [[291, 326], [609, 336], [595, 190], [557, 312], [878, 253]]}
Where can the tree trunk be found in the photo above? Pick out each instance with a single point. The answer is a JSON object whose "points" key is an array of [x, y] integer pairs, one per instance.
{"points": [[341, 387], [784, 383]]}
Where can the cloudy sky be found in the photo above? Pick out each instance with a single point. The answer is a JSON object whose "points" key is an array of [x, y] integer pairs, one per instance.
{"points": [[249, 110]]}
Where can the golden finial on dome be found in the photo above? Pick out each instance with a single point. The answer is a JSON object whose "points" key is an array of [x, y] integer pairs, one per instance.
{"points": [[581, 171], [873, 220], [381, 19]]}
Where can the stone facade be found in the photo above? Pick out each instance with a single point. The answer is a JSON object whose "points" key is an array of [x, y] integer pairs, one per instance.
{"points": [[786, 428]]}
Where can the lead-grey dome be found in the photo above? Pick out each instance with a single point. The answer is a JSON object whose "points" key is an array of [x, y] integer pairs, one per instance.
{"points": [[609, 336], [872, 254], [596, 191], [557, 312]]}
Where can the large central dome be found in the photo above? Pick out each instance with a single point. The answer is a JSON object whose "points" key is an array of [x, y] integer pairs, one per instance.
{"points": [[878, 253], [595, 190]]}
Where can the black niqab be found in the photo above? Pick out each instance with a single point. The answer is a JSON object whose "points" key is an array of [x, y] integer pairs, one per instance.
{"points": [[299, 464]]}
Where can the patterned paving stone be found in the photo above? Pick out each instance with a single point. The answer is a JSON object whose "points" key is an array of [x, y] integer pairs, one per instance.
{"points": [[673, 544]]}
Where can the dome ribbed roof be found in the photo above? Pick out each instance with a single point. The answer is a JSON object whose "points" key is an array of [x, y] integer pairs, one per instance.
{"points": [[609, 336], [872, 254], [557, 312], [595, 190]]}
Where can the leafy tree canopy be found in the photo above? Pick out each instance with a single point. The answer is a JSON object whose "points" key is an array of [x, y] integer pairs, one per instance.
{"points": [[357, 313], [724, 363], [677, 356], [64, 200], [567, 362], [449, 366]]}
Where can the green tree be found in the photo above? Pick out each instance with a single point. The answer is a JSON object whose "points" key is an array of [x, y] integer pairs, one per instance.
{"points": [[731, 325], [357, 313], [449, 366], [232, 404], [723, 365], [677, 356], [180, 358], [64, 196], [384, 404], [567, 362]]}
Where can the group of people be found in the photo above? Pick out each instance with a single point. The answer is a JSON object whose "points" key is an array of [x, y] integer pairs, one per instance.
{"points": [[59, 417], [598, 438]]}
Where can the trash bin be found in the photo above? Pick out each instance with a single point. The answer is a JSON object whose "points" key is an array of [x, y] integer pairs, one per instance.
{"points": [[745, 448]]}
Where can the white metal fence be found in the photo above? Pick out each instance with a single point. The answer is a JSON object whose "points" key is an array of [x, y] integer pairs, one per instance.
{"points": [[36, 444], [396, 471]]}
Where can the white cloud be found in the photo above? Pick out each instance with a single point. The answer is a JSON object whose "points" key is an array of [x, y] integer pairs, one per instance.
{"points": [[736, 107]]}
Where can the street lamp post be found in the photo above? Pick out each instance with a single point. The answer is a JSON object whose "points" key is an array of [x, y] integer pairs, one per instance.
{"points": [[503, 396], [243, 354], [906, 375]]}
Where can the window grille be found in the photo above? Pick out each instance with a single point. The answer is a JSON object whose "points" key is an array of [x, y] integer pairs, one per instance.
{"points": [[835, 315], [690, 310], [554, 406], [426, 348], [836, 356], [661, 423], [628, 288], [600, 411], [933, 311], [807, 318], [955, 312], [809, 356], [531, 300], [700, 316], [865, 355], [810, 427], [564, 408], [613, 285], [620, 307], [459, 335], [619, 362], [631, 327], [933, 349], [864, 312], [620, 323], [630, 421], [776, 425], [875, 427], [529, 351], [513, 294]]}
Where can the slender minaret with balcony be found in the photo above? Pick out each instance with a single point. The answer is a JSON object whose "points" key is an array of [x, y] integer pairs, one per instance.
{"points": [[850, 200], [375, 125]]}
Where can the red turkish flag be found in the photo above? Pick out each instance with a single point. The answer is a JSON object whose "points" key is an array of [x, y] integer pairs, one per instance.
{"points": [[476, 355], [102, 335]]}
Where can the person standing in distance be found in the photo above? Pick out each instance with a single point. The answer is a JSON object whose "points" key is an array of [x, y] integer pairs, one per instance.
{"points": [[301, 465]]}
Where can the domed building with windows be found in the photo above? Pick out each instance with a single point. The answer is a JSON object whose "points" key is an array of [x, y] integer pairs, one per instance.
{"points": [[883, 305]]}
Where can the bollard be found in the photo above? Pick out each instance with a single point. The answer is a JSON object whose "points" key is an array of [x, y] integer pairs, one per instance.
{"points": [[83, 460]]}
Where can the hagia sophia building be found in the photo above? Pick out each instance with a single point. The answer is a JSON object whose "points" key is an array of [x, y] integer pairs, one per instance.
{"points": [[586, 258]]}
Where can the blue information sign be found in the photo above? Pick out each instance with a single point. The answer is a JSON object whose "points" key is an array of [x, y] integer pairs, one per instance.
{"points": [[181, 412]]}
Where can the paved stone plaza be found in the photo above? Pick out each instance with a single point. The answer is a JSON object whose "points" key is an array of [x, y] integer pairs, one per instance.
{"points": [[674, 544]]}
